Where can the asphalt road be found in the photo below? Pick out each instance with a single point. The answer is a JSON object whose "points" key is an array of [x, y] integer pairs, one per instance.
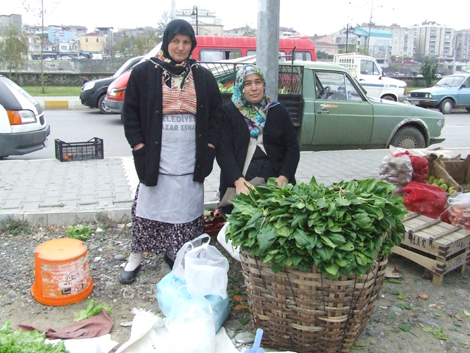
{"points": [[84, 124]]}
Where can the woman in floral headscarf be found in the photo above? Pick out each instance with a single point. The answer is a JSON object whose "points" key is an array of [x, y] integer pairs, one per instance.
{"points": [[258, 138], [171, 121]]}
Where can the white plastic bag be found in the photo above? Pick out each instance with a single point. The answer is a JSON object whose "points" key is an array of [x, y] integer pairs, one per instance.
{"points": [[227, 244], [206, 270], [178, 267], [397, 171], [191, 325], [459, 209]]}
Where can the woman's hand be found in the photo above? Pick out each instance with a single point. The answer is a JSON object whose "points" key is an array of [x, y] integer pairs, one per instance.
{"points": [[241, 186], [281, 180], [138, 146]]}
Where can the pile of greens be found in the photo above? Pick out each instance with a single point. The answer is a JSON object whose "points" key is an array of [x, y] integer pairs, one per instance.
{"points": [[340, 228], [19, 341]]}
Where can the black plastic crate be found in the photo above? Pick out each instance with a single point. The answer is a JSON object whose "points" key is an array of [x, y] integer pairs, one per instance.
{"points": [[79, 151]]}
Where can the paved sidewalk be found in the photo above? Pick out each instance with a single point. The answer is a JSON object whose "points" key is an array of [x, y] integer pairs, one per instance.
{"points": [[50, 192]]}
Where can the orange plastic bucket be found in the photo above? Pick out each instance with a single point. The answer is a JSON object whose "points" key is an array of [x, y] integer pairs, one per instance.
{"points": [[62, 274]]}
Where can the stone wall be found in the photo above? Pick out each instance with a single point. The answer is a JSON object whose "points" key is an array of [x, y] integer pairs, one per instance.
{"points": [[62, 72]]}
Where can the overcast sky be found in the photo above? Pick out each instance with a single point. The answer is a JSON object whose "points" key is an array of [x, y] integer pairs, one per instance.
{"points": [[306, 16]]}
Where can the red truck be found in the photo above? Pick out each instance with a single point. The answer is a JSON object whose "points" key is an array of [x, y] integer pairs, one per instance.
{"points": [[210, 49]]}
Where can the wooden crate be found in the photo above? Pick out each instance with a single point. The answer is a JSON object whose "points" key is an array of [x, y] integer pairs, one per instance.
{"points": [[438, 246]]}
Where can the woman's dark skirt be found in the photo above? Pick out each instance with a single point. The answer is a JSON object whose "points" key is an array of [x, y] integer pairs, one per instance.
{"points": [[159, 237]]}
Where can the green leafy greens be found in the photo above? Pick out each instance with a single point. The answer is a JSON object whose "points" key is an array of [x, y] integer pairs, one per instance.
{"points": [[19, 341], [340, 228], [91, 310]]}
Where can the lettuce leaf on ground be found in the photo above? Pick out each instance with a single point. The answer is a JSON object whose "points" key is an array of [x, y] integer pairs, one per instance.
{"points": [[91, 310], [20, 341]]}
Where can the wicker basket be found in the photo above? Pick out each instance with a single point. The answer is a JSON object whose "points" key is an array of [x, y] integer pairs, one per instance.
{"points": [[306, 312]]}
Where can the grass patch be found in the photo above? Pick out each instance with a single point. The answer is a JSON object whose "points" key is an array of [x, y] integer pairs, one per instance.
{"points": [[17, 227], [60, 91]]}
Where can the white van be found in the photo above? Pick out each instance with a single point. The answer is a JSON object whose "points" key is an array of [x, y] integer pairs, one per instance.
{"points": [[370, 75], [23, 127]]}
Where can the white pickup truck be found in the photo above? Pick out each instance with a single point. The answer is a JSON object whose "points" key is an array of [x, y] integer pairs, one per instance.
{"points": [[370, 75]]}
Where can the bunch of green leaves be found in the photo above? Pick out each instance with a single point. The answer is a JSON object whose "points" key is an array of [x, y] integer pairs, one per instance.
{"points": [[20, 341], [340, 228], [91, 310], [80, 232]]}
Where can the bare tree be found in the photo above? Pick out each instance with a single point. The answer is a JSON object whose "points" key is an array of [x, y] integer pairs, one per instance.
{"points": [[161, 25], [40, 9]]}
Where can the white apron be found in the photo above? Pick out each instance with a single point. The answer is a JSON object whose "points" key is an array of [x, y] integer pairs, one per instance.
{"points": [[176, 198]]}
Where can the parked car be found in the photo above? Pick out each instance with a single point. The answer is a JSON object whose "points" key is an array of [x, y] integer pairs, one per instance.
{"points": [[117, 89], [450, 92], [23, 127], [93, 92], [330, 109]]}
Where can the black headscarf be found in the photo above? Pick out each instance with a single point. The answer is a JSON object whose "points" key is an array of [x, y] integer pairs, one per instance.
{"points": [[177, 27], [164, 59]]}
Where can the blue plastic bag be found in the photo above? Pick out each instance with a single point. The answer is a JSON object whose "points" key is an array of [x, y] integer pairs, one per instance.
{"points": [[168, 290]]}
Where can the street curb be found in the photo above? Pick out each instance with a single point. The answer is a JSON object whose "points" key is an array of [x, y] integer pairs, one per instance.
{"points": [[60, 103], [64, 218], [56, 105], [119, 215]]}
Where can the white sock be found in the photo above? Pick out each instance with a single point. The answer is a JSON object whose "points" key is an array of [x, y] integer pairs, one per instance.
{"points": [[134, 261]]}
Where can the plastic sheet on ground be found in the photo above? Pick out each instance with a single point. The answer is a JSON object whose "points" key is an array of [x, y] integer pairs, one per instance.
{"points": [[102, 344], [149, 333]]}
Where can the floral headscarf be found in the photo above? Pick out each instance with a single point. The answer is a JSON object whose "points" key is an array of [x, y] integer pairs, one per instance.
{"points": [[163, 58], [254, 113]]}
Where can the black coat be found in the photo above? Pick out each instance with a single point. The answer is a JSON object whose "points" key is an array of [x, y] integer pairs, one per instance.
{"points": [[279, 140], [142, 116]]}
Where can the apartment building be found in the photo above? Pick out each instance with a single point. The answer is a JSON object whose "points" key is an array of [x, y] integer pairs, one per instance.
{"points": [[92, 43], [10, 20], [403, 39], [462, 45], [376, 41], [204, 22], [434, 40]]}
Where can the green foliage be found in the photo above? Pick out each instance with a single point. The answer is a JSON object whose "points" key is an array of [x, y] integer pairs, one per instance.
{"points": [[55, 91], [80, 232], [20, 341], [340, 228], [429, 69], [324, 55], [131, 46], [91, 310], [15, 227], [13, 48], [227, 88]]}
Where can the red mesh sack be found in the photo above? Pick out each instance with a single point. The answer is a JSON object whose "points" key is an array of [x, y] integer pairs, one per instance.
{"points": [[420, 167], [429, 200]]}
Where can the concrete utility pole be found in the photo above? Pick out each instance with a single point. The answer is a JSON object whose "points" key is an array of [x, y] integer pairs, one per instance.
{"points": [[267, 44]]}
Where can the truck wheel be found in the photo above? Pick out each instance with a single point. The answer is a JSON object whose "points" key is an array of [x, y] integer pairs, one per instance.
{"points": [[446, 106], [102, 106], [388, 97], [408, 137], [467, 109]]}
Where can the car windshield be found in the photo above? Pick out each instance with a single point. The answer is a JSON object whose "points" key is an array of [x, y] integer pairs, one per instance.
{"points": [[124, 67], [450, 81], [154, 51]]}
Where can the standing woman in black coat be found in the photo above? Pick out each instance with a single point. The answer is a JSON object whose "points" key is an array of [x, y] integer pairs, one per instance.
{"points": [[171, 121], [258, 138]]}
